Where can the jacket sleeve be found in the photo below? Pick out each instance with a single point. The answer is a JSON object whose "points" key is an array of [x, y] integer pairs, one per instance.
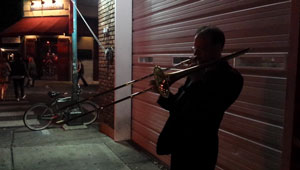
{"points": [[166, 103], [26, 73], [215, 95], [169, 103]]}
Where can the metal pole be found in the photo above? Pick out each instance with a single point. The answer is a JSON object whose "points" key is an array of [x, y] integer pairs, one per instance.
{"points": [[87, 25], [74, 52]]}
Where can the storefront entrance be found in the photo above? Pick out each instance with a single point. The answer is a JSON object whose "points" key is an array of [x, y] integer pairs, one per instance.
{"points": [[52, 57]]}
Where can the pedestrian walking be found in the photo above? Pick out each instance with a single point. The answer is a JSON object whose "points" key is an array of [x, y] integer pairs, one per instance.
{"points": [[80, 70], [18, 74], [32, 72], [4, 76]]}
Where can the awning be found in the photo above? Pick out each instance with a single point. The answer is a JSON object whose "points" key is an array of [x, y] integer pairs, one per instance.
{"points": [[38, 26]]}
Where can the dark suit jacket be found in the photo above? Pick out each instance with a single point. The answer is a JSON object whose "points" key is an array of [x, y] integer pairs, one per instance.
{"points": [[196, 112]]}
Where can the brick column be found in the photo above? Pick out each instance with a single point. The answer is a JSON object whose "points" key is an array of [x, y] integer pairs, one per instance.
{"points": [[106, 19]]}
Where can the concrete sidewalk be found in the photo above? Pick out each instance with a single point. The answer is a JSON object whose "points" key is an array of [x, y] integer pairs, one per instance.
{"points": [[57, 149]]}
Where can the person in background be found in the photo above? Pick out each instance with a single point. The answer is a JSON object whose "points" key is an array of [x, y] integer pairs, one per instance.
{"points": [[80, 71], [18, 74], [32, 72], [190, 134], [4, 76]]}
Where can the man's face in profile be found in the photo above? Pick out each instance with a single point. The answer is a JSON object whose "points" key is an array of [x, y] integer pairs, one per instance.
{"points": [[204, 50]]}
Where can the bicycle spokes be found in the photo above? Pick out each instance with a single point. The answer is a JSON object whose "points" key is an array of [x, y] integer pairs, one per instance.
{"points": [[38, 117]]}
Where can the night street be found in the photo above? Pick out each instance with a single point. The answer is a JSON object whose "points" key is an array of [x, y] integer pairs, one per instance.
{"points": [[59, 149], [164, 85]]}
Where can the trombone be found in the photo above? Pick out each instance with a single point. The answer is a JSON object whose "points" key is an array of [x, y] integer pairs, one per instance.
{"points": [[165, 80], [161, 80], [189, 60]]}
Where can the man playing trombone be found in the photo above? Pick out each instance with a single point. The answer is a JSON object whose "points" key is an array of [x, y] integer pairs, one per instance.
{"points": [[190, 134]]}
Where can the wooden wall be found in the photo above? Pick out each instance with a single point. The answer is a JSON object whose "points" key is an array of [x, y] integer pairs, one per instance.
{"points": [[291, 142], [252, 129]]}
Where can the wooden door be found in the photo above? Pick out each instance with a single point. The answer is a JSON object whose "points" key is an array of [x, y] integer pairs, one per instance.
{"points": [[64, 61], [31, 47]]}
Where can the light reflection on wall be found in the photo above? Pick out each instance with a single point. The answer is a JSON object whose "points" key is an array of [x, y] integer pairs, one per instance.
{"points": [[47, 5], [49, 8]]}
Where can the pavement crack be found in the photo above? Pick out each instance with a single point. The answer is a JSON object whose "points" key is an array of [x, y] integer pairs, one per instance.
{"points": [[11, 150]]}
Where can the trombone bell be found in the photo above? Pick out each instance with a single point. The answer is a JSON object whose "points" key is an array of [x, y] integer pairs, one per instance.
{"points": [[162, 82]]}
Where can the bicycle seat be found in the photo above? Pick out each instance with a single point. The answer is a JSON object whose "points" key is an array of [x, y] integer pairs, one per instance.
{"points": [[53, 94]]}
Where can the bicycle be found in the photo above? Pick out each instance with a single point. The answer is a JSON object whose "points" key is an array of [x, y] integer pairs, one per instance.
{"points": [[41, 115]]}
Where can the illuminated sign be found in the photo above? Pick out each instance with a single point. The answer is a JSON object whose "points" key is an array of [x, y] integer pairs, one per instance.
{"points": [[46, 5], [9, 40]]}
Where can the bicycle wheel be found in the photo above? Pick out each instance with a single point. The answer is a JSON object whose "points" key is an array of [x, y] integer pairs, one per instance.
{"points": [[90, 108], [38, 117]]}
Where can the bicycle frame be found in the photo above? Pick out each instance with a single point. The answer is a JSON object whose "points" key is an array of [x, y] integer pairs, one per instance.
{"points": [[40, 115]]}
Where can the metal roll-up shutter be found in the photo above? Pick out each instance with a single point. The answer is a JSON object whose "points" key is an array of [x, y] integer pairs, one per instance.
{"points": [[252, 128]]}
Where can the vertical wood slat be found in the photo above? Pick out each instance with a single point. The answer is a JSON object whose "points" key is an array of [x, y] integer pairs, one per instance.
{"points": [[163, 30], [291, 145]]}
